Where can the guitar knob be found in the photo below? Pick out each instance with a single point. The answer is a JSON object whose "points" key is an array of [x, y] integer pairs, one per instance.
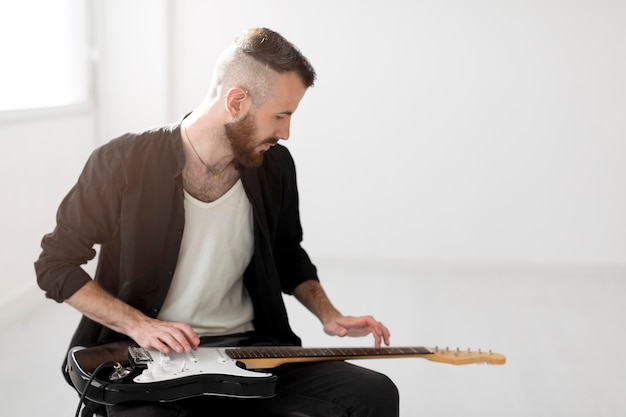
{"points": [[155, 368]]}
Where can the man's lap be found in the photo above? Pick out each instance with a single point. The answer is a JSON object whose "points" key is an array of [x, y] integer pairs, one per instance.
{"points": [[323, 389]]}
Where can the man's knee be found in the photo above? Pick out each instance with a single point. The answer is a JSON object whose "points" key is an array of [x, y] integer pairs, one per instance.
{"points": [[380, 392]]}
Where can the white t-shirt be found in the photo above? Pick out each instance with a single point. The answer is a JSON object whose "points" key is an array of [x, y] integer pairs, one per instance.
{"points": [[207, 290]]}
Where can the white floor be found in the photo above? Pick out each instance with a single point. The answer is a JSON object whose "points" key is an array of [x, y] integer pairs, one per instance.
{"points": [[561, 328]]}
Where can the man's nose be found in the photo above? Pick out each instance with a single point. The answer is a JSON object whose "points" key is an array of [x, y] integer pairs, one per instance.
{"points": [[283, 129]]}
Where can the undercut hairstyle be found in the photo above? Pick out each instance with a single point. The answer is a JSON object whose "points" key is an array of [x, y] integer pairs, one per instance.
{"points": [[253, 62]]}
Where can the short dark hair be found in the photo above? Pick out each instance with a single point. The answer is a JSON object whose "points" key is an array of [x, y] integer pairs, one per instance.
{"points": [[272, 49]]}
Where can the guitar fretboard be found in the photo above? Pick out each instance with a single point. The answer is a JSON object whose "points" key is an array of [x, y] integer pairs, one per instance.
{"points": [[272, 352]]}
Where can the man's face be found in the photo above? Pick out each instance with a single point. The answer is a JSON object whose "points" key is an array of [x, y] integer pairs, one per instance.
{"points": [[261, 128]]}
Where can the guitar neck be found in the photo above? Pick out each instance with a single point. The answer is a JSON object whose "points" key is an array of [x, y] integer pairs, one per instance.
{"points": [[273, 356]]}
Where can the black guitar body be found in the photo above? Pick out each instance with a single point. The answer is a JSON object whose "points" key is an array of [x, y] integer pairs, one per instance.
{"points": [[105, 389]]}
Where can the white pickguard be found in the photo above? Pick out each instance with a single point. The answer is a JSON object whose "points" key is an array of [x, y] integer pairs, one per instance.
{"points": [[202, 361]]}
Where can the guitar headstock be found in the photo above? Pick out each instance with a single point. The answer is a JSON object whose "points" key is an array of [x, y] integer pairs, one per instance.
{"points": [[464, 357]]}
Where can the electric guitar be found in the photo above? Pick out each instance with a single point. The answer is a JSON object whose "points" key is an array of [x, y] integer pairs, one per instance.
{"points": [[119, 372]]}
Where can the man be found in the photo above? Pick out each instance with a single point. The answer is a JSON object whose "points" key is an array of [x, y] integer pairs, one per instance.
{"points": [[200, 235]]}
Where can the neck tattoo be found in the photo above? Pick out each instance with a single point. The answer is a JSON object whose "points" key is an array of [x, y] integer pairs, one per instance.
{"points": [[214, 173]]}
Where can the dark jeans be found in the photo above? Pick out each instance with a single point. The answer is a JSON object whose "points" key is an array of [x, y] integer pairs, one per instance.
{"points": [[323, 389]]}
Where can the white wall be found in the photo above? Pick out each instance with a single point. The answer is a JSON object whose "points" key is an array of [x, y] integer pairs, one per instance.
{"points": [[131, 47], [40, 161], [448, 130]]}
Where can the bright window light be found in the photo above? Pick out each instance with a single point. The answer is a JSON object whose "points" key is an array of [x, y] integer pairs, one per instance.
{"points": [[44, 46]]}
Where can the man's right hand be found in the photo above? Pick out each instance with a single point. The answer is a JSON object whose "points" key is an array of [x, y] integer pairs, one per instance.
{"points": [[93, 302], [165, 336]]}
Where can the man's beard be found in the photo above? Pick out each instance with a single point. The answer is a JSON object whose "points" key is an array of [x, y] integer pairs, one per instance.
{"points": [[241, 135]]}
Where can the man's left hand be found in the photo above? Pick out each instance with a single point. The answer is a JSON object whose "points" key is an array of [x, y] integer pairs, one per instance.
{"points": [[356, 327]]}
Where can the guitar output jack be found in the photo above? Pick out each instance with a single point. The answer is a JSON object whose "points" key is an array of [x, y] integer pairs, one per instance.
{"points": [[119, 372]]}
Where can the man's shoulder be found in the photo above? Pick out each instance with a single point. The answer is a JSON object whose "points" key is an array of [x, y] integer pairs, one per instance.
{"points": [[148, 143], [279, 156], [278, 166], [155, 136]]}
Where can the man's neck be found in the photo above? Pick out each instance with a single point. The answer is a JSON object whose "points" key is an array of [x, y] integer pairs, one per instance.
{"points": [[207, 144]]}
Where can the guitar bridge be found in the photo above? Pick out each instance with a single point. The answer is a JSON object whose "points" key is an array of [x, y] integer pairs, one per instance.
{"points": [[139, 357]]}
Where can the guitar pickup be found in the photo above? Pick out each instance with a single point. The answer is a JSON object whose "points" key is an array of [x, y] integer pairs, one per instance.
{"points": [[139, 357]]}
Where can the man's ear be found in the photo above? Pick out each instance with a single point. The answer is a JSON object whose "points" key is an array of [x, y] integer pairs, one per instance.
{"points": [[237, 102]]}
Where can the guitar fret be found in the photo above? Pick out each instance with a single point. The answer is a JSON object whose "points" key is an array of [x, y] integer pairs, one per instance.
{"points": [[299, 352]]}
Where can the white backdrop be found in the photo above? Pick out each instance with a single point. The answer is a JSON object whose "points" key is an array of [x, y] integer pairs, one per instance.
{"points": [[471, 130]]}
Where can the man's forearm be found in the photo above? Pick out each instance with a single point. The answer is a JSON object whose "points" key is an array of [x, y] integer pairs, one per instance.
{"points": [[311, 294], [98, 305]]}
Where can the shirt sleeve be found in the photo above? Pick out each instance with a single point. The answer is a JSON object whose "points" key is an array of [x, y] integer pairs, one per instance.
{"points": [[293, 262], [87, 216]]}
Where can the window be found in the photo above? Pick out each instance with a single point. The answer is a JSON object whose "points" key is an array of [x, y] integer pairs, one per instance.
{"points": [[44, 46]]}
